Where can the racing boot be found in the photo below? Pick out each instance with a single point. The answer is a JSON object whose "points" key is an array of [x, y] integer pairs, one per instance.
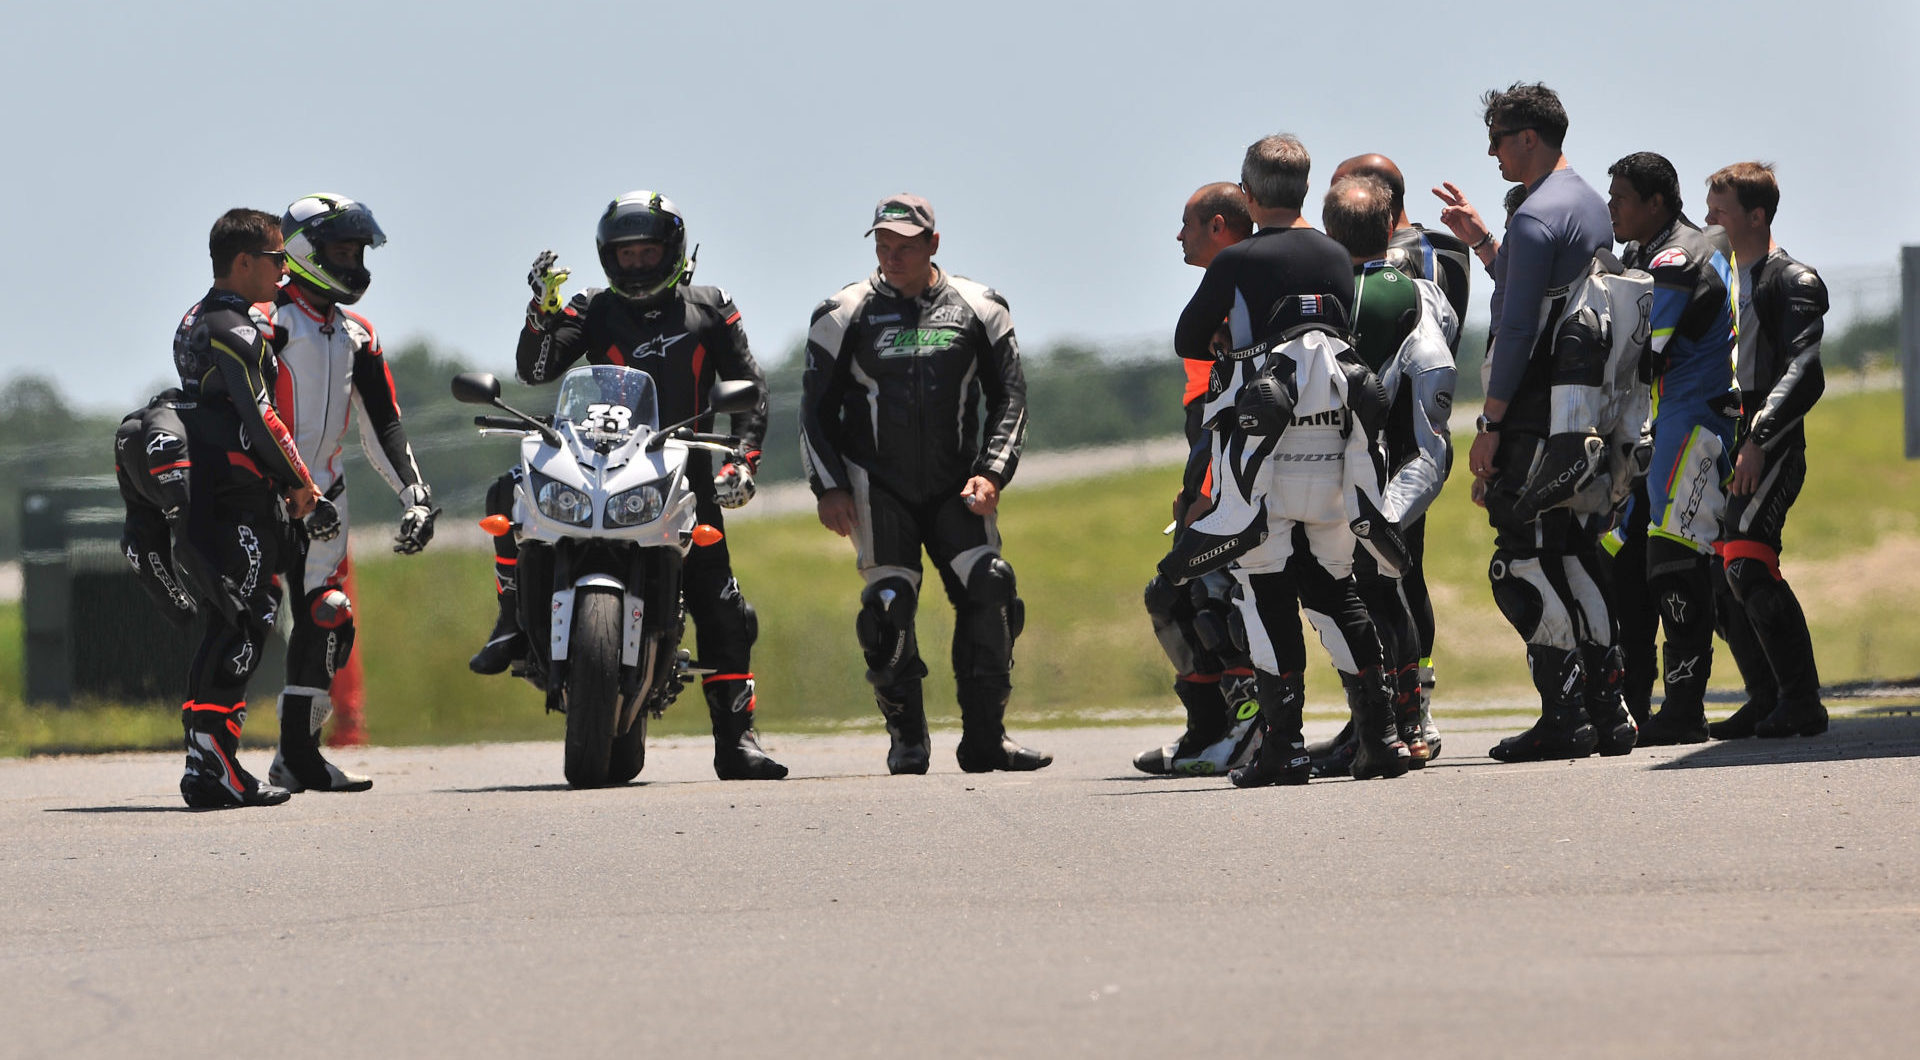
{"points": [[214, 779], [1334, 758], [298, 764], [507, 644], [984, 744], [1563, 730], [1782, 628], [1614, 730], [1406, 714], [1682, 717], [911, 749], [1379, 751], [1282, 758], [1197, 752], [1756, 672], [736, 748], [1429, 731]]}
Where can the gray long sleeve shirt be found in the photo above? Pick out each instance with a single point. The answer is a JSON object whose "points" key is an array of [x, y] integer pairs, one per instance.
{"points": [[1549, 243]]}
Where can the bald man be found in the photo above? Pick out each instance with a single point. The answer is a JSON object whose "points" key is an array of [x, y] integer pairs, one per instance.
{"points": [[1213, 678], [1442, 258]]}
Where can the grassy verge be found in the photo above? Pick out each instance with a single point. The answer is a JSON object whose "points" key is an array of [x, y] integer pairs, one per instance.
{"points": [[1083, 551]]}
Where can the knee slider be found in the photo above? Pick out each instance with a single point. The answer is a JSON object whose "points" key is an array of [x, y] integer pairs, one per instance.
{"points": [[992, 587], [317, 652], [1518, 599], [989, 621], [1162, 600], [1750, 577], [885, 630]]}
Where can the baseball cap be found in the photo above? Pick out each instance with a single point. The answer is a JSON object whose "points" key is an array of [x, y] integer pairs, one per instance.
{"points": [[909, 215]]}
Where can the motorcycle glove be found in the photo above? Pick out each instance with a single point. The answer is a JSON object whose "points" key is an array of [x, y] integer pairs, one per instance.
{"points": [[733, 487], [546, 281], [416, 519], [323, 523]]}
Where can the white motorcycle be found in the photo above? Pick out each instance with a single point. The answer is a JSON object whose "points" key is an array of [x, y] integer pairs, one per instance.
{"points": [[604, 516]]}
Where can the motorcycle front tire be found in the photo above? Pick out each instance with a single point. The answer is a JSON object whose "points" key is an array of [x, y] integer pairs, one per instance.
{"points": [[593, 687]]}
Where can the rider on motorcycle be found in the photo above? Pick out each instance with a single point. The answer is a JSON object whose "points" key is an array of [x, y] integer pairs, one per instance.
{"points": [[650, 317]]}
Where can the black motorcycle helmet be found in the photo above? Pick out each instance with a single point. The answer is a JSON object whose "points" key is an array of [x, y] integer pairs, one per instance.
{"points": [[313, 222], [644, 216]]}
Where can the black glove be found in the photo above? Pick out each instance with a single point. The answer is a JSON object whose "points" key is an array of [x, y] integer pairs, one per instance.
{"points": [[416, 519], [323, 523]]}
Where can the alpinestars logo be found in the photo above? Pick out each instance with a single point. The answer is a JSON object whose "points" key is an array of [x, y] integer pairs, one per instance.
{"points": [[159, 441], [655, 347], [1683, 671], [251, 546], [1676, 607]]}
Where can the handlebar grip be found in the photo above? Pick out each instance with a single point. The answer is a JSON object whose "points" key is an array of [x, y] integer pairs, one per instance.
{"points": [[727, 440], [501, 423]]}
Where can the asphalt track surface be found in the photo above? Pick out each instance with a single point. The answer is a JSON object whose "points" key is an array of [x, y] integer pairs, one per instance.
{"points": [[1742, 899]]}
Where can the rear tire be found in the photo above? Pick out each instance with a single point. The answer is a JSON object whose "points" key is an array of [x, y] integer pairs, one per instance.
{"points": [[593, 686]]}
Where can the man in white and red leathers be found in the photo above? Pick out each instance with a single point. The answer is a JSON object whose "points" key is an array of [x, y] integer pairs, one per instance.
{"points": [[332, 371]]}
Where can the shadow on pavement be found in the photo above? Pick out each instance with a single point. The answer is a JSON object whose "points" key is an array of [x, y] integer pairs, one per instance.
{"points": [[1851, 737], [509, 788], [129, 809]]}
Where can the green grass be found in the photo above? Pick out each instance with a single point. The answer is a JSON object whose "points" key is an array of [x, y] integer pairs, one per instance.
{"points": [[1083, 551]]}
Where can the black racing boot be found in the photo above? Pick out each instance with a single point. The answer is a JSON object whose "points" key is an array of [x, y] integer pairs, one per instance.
{"points": [[1782, 628], [1563, 730], [298, 765], [984, 744], [736, 749], [506, 645], [911, 750], [1740, 724], [1200, 750], [1406, 714], [1750, 656], [1379, 750], [214, 779], [1615, 732], [1793, 717], [1682, 717], [1282, 758], [1334, 758]]}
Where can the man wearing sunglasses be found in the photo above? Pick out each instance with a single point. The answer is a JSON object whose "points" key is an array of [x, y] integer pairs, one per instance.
{"points": [[243, 460], [1545, 570]]}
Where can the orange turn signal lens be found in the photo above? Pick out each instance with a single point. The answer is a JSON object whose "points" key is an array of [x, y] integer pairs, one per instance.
{"points": [[706, 534], [497, 525]]}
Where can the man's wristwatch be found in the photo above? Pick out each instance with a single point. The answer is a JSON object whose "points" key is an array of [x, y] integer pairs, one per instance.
{"points": [[1486, 426]]}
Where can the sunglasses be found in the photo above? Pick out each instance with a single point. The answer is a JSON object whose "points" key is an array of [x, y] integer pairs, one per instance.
{"points": [[1494, 136], [278, 257]]}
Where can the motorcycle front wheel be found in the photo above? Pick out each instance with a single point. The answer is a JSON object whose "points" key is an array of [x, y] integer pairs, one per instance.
{"points": [[593, 687]]}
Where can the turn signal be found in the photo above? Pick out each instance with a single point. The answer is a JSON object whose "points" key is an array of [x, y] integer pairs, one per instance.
{"points": [[497, 525], [706, 534]]}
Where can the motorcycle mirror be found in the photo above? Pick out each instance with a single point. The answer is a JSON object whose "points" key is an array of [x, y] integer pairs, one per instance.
{"points": [[734, 395], [476, 388]]}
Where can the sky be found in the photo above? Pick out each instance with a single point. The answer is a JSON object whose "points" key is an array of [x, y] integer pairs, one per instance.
{"points": [[1056, 141]]}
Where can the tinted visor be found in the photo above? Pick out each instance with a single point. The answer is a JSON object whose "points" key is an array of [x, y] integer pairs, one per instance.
{"points": [[622, 226], [355, 224]]}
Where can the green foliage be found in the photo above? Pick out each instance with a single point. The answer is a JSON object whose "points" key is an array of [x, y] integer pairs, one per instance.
{"points": [[1870, 342], [42, 437]]}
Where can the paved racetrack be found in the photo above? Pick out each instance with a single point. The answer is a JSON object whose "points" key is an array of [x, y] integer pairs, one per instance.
{"points": [[1732, 900]]}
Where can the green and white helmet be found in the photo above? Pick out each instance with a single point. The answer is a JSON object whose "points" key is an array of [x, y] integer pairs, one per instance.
{"points": [[644, 216], [317, 220]]}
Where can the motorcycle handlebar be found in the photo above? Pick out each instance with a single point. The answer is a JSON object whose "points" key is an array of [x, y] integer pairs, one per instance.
{"points": [[505, 423]]}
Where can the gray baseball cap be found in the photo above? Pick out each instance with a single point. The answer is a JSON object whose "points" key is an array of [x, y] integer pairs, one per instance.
{"points": [[909, 215]]}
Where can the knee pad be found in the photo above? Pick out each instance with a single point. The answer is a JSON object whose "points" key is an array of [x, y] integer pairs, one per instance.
{"points": [[1216, 618], [1529, 601], [500, 494], [1172, 620], [885, 631], [989, 620], [322, 637]]}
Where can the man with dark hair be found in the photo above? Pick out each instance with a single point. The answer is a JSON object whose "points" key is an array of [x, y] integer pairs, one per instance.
{"points": [[1401, 327], [242, 459], [1544, 567], [652, 317], [1282, 461], [1213, 678], [898, 455], [1444, 259], [1781, 305], [1663, 550]]}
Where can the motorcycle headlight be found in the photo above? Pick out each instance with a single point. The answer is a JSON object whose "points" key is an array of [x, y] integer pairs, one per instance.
{"points": [[563, 503], [641, 504]]}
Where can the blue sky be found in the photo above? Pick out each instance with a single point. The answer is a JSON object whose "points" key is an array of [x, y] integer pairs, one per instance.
{"points": [[1057, 142]]}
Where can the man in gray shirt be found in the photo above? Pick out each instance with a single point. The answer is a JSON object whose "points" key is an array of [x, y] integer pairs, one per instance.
{"points": [[1545, 573]]}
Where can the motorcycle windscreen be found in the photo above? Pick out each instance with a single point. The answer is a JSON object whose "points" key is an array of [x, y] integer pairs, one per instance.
{"points": [[608, 399]]}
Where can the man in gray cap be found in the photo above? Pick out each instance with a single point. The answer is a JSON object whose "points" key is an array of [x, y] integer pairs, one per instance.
{"points": [[901, 459]]}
